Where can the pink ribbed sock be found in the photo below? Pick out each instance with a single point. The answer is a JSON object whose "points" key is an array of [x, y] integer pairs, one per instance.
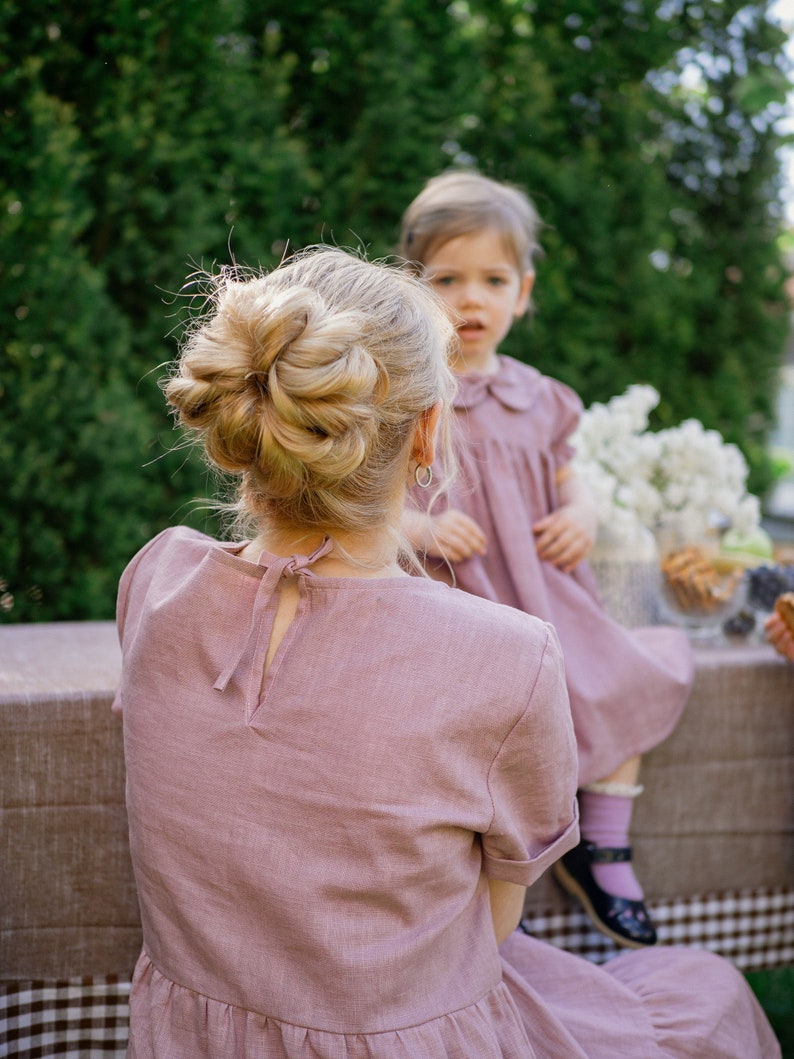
{"points": [[604, 821]]}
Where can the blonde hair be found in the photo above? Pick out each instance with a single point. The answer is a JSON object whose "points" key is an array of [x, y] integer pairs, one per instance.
{"points": [[460, 202], [308, 382]]}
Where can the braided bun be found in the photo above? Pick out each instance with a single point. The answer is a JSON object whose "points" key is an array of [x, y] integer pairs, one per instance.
{"points": [[307, 382]]}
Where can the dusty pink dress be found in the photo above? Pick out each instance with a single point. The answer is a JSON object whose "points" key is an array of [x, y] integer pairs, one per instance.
{"points": [[627, 688], [311, 859]]}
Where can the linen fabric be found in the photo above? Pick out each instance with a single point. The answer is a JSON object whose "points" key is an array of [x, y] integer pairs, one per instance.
{"points": [[627, 687], [316, 852], [311, 850]]}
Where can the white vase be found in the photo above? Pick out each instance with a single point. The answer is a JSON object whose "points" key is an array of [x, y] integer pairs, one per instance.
{"points": [[626, 567]]}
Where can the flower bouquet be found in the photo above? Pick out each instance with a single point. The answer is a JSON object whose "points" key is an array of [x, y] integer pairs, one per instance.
{"points": [[685, 485]]}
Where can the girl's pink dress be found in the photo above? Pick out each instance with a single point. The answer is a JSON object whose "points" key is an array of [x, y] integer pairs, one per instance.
{"points": [[311, 856], [627, 688]]}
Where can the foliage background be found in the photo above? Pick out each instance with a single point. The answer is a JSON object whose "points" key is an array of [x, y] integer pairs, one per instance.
{"points": [[141, 141]]}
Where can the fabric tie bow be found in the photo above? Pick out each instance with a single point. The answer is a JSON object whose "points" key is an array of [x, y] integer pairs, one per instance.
{"points": [[276, 568]]}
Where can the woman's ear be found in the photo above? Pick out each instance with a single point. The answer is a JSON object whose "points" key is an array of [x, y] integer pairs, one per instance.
{"points": [[524, 294], [423, 449]]}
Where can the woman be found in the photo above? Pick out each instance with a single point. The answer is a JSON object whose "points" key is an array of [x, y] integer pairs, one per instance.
{"points": [[340, 778]]}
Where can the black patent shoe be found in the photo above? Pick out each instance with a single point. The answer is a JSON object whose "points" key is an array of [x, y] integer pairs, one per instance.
{"points": [[626, 921]]}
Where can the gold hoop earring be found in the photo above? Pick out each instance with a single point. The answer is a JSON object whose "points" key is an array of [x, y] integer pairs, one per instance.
{"points": [[423, 483]]}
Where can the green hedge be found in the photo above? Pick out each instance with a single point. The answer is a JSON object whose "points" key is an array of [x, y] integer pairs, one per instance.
{"points": [[141, 142], [775, 992]]}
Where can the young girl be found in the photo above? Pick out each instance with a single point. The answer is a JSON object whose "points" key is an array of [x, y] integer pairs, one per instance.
{"points": [[519, 523], [340, 778]]}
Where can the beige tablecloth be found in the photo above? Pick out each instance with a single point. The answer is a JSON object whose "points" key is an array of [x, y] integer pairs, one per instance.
{"points": [[715, 825]]}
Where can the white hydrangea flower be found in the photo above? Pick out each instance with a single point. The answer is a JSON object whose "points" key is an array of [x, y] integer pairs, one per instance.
{"points": [[686, 478]]}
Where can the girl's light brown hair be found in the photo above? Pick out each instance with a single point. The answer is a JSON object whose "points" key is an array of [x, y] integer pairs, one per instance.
{"points": [[459, 202], [307, 383]]}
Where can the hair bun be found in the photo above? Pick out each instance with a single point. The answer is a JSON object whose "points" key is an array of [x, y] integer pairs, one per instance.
{"points": [[308, 382], [322, 384], [283, 371]]}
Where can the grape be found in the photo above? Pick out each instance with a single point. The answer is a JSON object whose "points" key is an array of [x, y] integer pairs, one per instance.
{"points": [[741, 624], [766, 583]]}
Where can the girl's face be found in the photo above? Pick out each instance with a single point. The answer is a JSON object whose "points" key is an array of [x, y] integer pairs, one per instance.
{"points": [[484, 291]]}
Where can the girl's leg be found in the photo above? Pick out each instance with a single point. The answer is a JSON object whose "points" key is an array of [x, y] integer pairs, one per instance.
{"points": [[598, 871], [605, 817], [628, 772]]}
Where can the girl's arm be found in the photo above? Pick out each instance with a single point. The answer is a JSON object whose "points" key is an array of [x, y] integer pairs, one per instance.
{"points": [[507, 906], [566, 536], [450, 535]]}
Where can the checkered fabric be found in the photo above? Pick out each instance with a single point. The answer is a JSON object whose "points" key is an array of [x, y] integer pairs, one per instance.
{"points": [[754, 929], [88, 1018], [83, 1018]]}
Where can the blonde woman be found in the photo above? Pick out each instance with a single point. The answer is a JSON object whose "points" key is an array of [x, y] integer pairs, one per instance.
{"points": [[340, 777]]}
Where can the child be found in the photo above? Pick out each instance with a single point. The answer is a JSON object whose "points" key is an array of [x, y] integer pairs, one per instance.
{"points": [[519, 523]]}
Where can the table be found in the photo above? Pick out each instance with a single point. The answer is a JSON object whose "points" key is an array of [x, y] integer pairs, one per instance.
{"points": [[713, 832]]}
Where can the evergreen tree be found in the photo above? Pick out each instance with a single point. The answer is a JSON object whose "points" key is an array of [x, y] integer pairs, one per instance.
{"points": [[730, 88], [141, 142], [375, 92], [648, 189], [72, 493], [144, 142]]}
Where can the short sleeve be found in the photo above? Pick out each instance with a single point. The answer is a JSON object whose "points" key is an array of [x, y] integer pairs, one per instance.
{"points": [[567, 413], [124, 618], [532, 781]]}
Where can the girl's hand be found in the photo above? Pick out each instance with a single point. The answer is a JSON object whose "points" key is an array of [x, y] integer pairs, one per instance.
{"points": [[451, 535], [565, 537], [780, 636]]}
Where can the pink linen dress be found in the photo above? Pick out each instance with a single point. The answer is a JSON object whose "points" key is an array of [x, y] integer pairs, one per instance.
{"points": [[627, 687], [311, 852]]}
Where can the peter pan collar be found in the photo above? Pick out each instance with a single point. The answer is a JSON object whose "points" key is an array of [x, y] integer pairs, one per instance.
{"points": [[514, 386]]}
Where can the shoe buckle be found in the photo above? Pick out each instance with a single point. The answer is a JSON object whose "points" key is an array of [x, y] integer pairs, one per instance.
{"points": [[609, 854]]}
